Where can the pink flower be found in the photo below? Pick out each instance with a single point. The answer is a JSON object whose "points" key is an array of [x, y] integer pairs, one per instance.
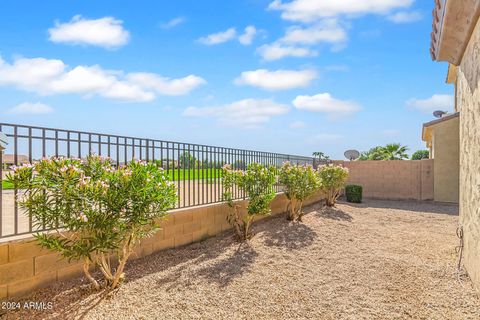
{"points": [[83, 217]]}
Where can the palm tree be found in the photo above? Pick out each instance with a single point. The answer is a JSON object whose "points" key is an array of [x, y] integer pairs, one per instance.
{"points": [[394, 151], [375, 153], [391, 151], [320, 155]]}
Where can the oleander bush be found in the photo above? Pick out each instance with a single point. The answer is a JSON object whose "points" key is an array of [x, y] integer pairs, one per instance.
{"points": [[256, 183], [353, 193], [300, 183], [332, 180], [104, 211]]}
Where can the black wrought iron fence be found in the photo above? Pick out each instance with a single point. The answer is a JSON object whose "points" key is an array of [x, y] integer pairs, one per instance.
{"points": [[194, 168]]}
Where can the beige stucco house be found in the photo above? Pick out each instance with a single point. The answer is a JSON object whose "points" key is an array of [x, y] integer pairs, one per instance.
{"points": [[456, 40], [8, 160], [443, 142]]}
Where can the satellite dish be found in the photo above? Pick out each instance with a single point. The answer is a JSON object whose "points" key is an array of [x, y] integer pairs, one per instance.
{"points": [[438, 113], [3, 141], [351, 154]]}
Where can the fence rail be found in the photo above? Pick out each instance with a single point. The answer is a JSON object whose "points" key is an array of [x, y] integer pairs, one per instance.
{"points": [[194, 168]]}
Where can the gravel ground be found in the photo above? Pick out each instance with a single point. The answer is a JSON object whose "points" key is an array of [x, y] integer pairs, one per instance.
{"points": [[376, 260]]}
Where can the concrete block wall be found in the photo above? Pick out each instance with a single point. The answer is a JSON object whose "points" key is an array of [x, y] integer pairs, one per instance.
{"points": [[25, 267], [396, 180]]}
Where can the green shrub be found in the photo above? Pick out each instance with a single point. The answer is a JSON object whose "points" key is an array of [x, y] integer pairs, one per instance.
{"points": [[353, 193], [332, 180], [420, 154], [256, 182], [104, 210], [300, 182]]}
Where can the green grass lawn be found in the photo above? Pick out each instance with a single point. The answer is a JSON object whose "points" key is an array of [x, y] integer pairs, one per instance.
{"points": [[174, 175], [7, 185]]}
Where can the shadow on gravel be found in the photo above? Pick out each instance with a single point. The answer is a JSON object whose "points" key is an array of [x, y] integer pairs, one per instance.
{"points": [[221, 266], [291, 235], [224, 271], [450, 209], [334, 214], [72, 311]]}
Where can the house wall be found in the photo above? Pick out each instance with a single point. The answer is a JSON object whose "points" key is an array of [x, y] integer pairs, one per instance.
{"points": [[446, 153], [24, 266], [468, 103], [398, 179]]}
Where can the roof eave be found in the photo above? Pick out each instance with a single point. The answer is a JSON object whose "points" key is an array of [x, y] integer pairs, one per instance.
{"points": [[452, 27], [428, 126], [442, 119]]}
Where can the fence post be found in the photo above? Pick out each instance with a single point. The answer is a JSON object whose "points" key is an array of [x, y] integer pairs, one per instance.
{"points": [[3, 145], [3, 141], [148, 150]]}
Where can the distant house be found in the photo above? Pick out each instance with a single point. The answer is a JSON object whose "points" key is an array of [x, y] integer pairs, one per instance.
{"points": [[456, 39], [170, 164], [8, 160], [443, 142]]}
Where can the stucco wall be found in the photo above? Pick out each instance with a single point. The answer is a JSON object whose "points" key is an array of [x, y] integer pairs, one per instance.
{"points": [[468, 103], [446, 170], [401, 179], [24, 266]]}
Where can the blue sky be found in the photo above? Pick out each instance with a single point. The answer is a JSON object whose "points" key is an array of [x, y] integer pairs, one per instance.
{"points": [[292, 76]]}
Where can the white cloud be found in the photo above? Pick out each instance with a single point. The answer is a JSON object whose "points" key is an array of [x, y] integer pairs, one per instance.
{"points": [[83, 80], [325, 103], [248, 113], [173, 23], [31, 74], [276, 51], [219, 37], [312, 10], [166, 86], [125, 91], [298, 40], [298, 125], [247, 37], [106, 32], [325, 22], [48, 77], [326, 31], [51, 76], [276, 80], [443, 102], [405, 16], [31, 108]]}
